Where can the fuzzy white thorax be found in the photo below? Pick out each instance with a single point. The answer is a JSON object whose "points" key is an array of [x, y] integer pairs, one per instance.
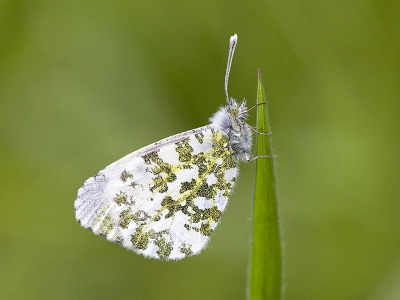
{"points": [[231, 120]]}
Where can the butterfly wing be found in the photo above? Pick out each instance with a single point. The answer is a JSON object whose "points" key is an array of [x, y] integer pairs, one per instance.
{"points": [[164, 200]]}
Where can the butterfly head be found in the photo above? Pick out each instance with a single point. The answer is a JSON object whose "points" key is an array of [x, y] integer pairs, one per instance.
{"points": [[238, 111]]}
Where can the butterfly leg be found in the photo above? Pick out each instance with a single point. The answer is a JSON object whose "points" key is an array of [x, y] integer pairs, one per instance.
{"points": [[275, 155]]}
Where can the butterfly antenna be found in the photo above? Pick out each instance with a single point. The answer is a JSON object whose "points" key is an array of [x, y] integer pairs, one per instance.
{"points": [[232, 46]]}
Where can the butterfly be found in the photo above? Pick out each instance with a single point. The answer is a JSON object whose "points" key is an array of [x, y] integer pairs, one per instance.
{"points": [[165, 200]]}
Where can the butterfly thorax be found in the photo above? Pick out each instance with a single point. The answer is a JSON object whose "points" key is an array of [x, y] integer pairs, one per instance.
{"points": [[231, 120]]}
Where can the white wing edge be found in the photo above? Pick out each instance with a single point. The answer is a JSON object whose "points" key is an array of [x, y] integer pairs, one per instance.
{"points": [[166, 141]]}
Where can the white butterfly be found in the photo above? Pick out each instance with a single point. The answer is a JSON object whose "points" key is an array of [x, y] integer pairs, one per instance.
{"points": [[165, 200]]}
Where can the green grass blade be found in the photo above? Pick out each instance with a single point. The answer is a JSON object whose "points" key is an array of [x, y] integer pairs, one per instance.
{"points": [[265, 281]]}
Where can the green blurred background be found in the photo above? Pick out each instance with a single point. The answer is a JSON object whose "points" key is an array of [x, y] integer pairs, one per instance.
{"points": [[82, 83]]}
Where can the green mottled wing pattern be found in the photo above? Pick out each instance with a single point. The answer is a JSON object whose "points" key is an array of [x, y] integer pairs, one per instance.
{"points": [[165, 200]]}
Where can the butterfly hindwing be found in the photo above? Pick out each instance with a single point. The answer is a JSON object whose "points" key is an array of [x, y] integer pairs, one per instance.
{"points": [[165, 200]]}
